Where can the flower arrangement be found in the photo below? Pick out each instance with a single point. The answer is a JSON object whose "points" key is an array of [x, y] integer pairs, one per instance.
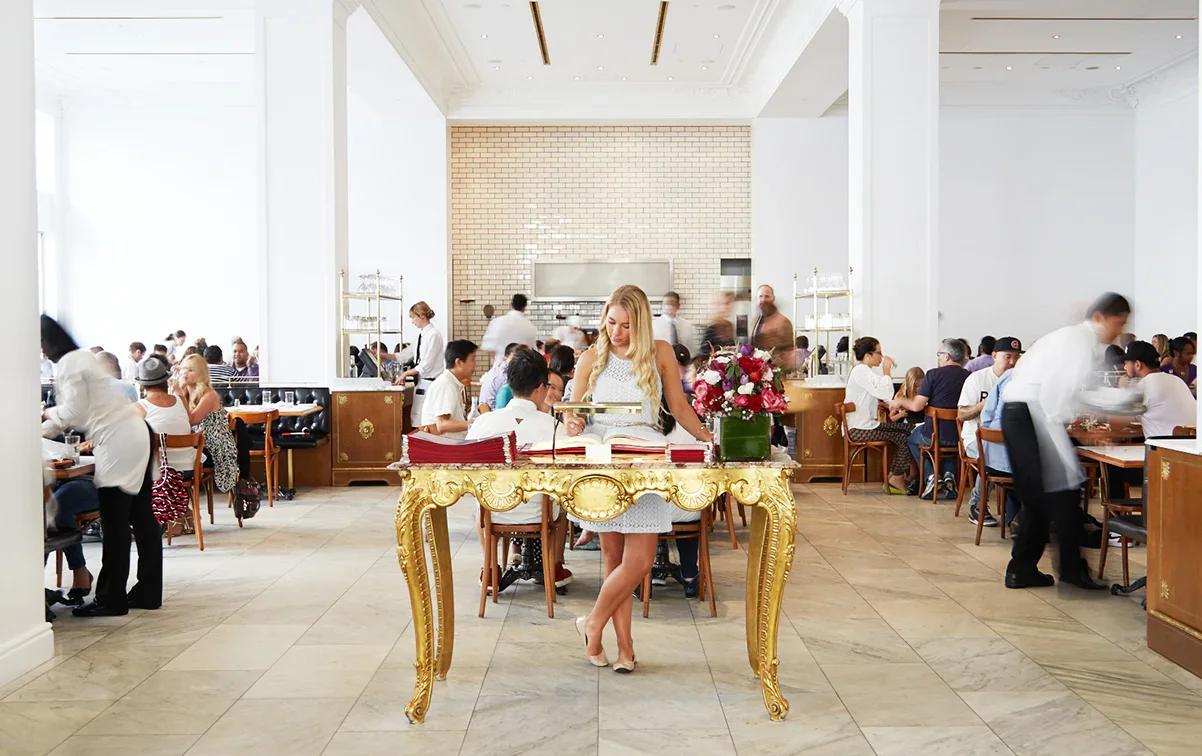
{"points": [[739, 382]]}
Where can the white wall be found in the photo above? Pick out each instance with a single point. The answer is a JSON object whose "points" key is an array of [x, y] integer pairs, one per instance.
{"points": [[1166, 206], [160, 229], [1044, 198], [1036, 211], [397, 175], [26, 639], [798, 199]]}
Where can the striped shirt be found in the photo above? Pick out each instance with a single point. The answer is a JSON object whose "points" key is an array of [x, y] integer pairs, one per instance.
{"points": [[220, 373]]}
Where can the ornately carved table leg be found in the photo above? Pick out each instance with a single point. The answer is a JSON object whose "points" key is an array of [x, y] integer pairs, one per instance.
{"points": [[411, 554], [444, 587], [770, 557]]}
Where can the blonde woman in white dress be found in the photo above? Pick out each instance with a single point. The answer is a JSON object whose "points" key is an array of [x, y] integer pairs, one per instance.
{"points": [[627, 364]]}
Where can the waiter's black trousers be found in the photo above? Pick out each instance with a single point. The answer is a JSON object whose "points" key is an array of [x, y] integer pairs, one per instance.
{"points": [[119, 512], [1040, 507]]}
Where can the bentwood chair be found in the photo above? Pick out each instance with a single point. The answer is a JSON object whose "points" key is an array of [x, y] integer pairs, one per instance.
{"points": [[705, 576], [269, 453], [938, 447], [852, 449], [722, 508], [501, 533], [968, 467], [987, 480], [196, 442]]}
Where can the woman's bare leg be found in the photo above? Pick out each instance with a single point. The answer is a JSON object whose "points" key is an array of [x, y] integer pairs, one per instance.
{"points": [[627, 559]]}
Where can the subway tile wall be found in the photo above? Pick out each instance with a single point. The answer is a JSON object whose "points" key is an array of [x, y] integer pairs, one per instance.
{"points": [[526, 193]]}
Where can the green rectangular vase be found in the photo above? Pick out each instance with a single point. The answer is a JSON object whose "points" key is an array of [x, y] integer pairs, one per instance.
{"points": [[742, 440]]}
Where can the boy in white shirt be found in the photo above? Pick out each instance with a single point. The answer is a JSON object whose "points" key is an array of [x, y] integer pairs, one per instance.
{"points": [[444, 412], [527, 375]]}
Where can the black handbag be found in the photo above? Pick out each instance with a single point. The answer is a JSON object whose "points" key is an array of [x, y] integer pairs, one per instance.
{"points": [[246, 498]]}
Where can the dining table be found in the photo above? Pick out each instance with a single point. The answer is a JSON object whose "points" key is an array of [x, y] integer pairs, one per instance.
{"points": [[84, 467], [245, 411]]}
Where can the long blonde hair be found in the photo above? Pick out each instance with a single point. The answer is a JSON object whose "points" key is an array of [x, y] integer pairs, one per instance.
{"points": [[204, 381], [912, 383], [641, 351]]}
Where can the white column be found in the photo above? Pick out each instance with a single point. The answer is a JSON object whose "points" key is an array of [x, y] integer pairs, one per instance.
{"points": [[25, 638], [893, 157], [302, 52]]}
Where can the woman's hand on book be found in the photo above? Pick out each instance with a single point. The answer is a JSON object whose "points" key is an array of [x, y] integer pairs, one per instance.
{"points": [[574, 424]]}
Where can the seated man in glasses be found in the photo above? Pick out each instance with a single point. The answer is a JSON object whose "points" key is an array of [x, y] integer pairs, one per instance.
{"points": [[527, 377], [941, 388]]}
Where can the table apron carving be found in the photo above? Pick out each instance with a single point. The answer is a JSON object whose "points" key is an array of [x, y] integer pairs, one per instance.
{"points": [[594, 494]]}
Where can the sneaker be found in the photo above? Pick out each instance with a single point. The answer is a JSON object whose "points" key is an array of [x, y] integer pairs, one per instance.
{"points": [[912, 488], [690, 588], [928, 490], [947, 487], [658, 579], [990, 520], [563, 576]]}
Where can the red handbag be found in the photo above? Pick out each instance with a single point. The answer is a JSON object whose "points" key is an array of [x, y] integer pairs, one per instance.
{"points": [[169, 497]]}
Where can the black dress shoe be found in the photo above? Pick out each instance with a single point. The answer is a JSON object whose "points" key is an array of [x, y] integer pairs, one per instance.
{"points": [[1035, 579], [97, 609], [1082, 579], [690, 588], [135, 601]]}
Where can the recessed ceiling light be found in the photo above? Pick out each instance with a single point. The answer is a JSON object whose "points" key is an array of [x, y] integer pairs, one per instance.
{"points": [[1055, 36], [1009, 68], [717, 36], [483, 36], [529, 78], [496, 68], [600, 68], [577, 78], [623, 78], [670, 78], [600, 36], [705, 68], [1118, 68], [1178, 36]]}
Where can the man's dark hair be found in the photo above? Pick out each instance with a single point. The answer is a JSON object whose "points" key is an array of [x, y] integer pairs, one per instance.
{"points": [[673, 295], [1113, 358], [511, 347], [519, 302], [1109, 305], [180, 335], [56, 342], [682, 354], [864, 346], [526, 371], [563, 360], [1177, 345], [803, 342], [842, 345], [213, 355], [987, 345], [137, 346], [160, 349], [1191, 335], [1142, 351], [459, 349]]}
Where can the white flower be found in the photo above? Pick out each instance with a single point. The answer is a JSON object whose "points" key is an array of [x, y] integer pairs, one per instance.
{"points": [[712, 377], [762, 355], [730, 394], [722, 358], [747, 389], [766, 376]]}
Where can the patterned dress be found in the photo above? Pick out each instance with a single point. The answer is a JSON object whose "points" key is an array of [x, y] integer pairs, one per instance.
{"points": [[219, 445], [617, 383]]}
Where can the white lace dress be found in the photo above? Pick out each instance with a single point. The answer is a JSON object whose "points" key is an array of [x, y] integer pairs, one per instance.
{"points": [[651, 513]]}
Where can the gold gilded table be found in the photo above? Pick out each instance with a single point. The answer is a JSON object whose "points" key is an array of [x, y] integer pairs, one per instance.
{"points": [[593, 492]]}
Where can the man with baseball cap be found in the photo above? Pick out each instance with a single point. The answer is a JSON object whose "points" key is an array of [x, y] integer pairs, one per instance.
{"points": [[972, 400], [1167, 398]]}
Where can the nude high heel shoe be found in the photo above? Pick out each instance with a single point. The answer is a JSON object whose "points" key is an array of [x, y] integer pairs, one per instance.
{"points": [[625, 667], [600, 660]]}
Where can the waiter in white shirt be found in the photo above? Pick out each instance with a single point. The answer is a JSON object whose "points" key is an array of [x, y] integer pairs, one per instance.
{"points": [[427, 356], [672, 328], [570, 334], [510, 328], [1041, 400]]}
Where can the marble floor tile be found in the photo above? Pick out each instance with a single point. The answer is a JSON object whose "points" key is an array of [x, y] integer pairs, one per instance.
{"points": [[897, 695], [850, 641], [665, 742], [1130, 692], [320, 672], [87, 679], [291, 726], [425, 742], [238, 647], [166, 744], [549, 722], [978, 664], [37, 727], [1052, 723], [189, 700], [974, 740], [381, 706], [684, 699]]}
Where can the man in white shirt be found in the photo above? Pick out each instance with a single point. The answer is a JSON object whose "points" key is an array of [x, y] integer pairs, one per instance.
{"points": [[672, 328], [569, 334], [444, 412], [527, 375], [1041, 400], [1003, 356], [1166, 396], [129, 366], [510, 328]]}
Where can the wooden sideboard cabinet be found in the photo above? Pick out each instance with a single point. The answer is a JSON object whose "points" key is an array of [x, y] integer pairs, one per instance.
{"points": [[1174, 519], [367, 428], [819, 438]]}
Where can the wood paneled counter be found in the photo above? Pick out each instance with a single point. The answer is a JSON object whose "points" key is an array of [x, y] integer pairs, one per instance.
{"points": [[366, 431], [1174, 519], [819, 438]]}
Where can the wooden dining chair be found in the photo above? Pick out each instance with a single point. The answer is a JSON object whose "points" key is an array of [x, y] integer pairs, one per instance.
{"points": [[705, 576], [196, 442], [501, 533], [968, 466], [938, 447], [270, 453], [987, 481], [852, 448], [722, 508]]}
